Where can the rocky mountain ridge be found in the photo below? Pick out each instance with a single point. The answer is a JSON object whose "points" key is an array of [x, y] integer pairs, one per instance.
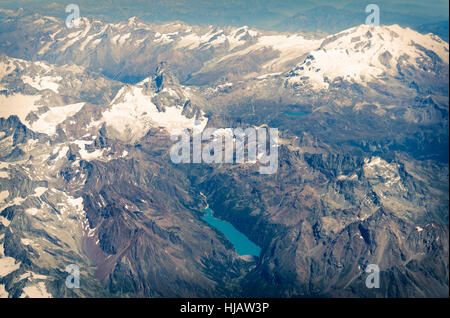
{"points": [[86, 178]]}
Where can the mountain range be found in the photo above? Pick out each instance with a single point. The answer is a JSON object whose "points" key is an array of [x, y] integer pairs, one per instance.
{"points": [[86, 177]]}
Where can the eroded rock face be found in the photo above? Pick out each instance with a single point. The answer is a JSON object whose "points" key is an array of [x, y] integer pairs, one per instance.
{"points": [[86, 176], [321, 229]]}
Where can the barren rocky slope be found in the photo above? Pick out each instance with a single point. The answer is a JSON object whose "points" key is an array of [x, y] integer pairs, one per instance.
{"points": [[86, 177]]}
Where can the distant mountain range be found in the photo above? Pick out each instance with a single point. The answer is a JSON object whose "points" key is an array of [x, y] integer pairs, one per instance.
{"points": [[332, 20], [290, 15]]}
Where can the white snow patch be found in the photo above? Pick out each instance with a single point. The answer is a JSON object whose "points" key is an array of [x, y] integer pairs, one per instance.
{"points": [[3, 292], [26, 241], [32, 211], [164, 38], [36, 291], [41, 83], [39, 191], [4, 221], [8, 265], [62, 152], [76, 202], [377, 168], [354, 54], [3, 195], [85, 155], [133, 116], [123, 38], [89, 38], [23, 104], [48, 121]]}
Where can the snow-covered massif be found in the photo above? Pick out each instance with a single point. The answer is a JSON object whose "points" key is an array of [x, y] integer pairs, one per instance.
{"points": [[85, 177], [48, 121], [132, 113], [363, 54]]}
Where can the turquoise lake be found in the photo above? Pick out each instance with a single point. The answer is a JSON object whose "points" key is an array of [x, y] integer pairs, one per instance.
{"points": [[240, 242]]}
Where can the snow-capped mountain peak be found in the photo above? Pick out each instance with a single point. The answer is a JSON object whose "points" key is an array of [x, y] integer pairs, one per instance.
{"points": [[364, 53]]}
